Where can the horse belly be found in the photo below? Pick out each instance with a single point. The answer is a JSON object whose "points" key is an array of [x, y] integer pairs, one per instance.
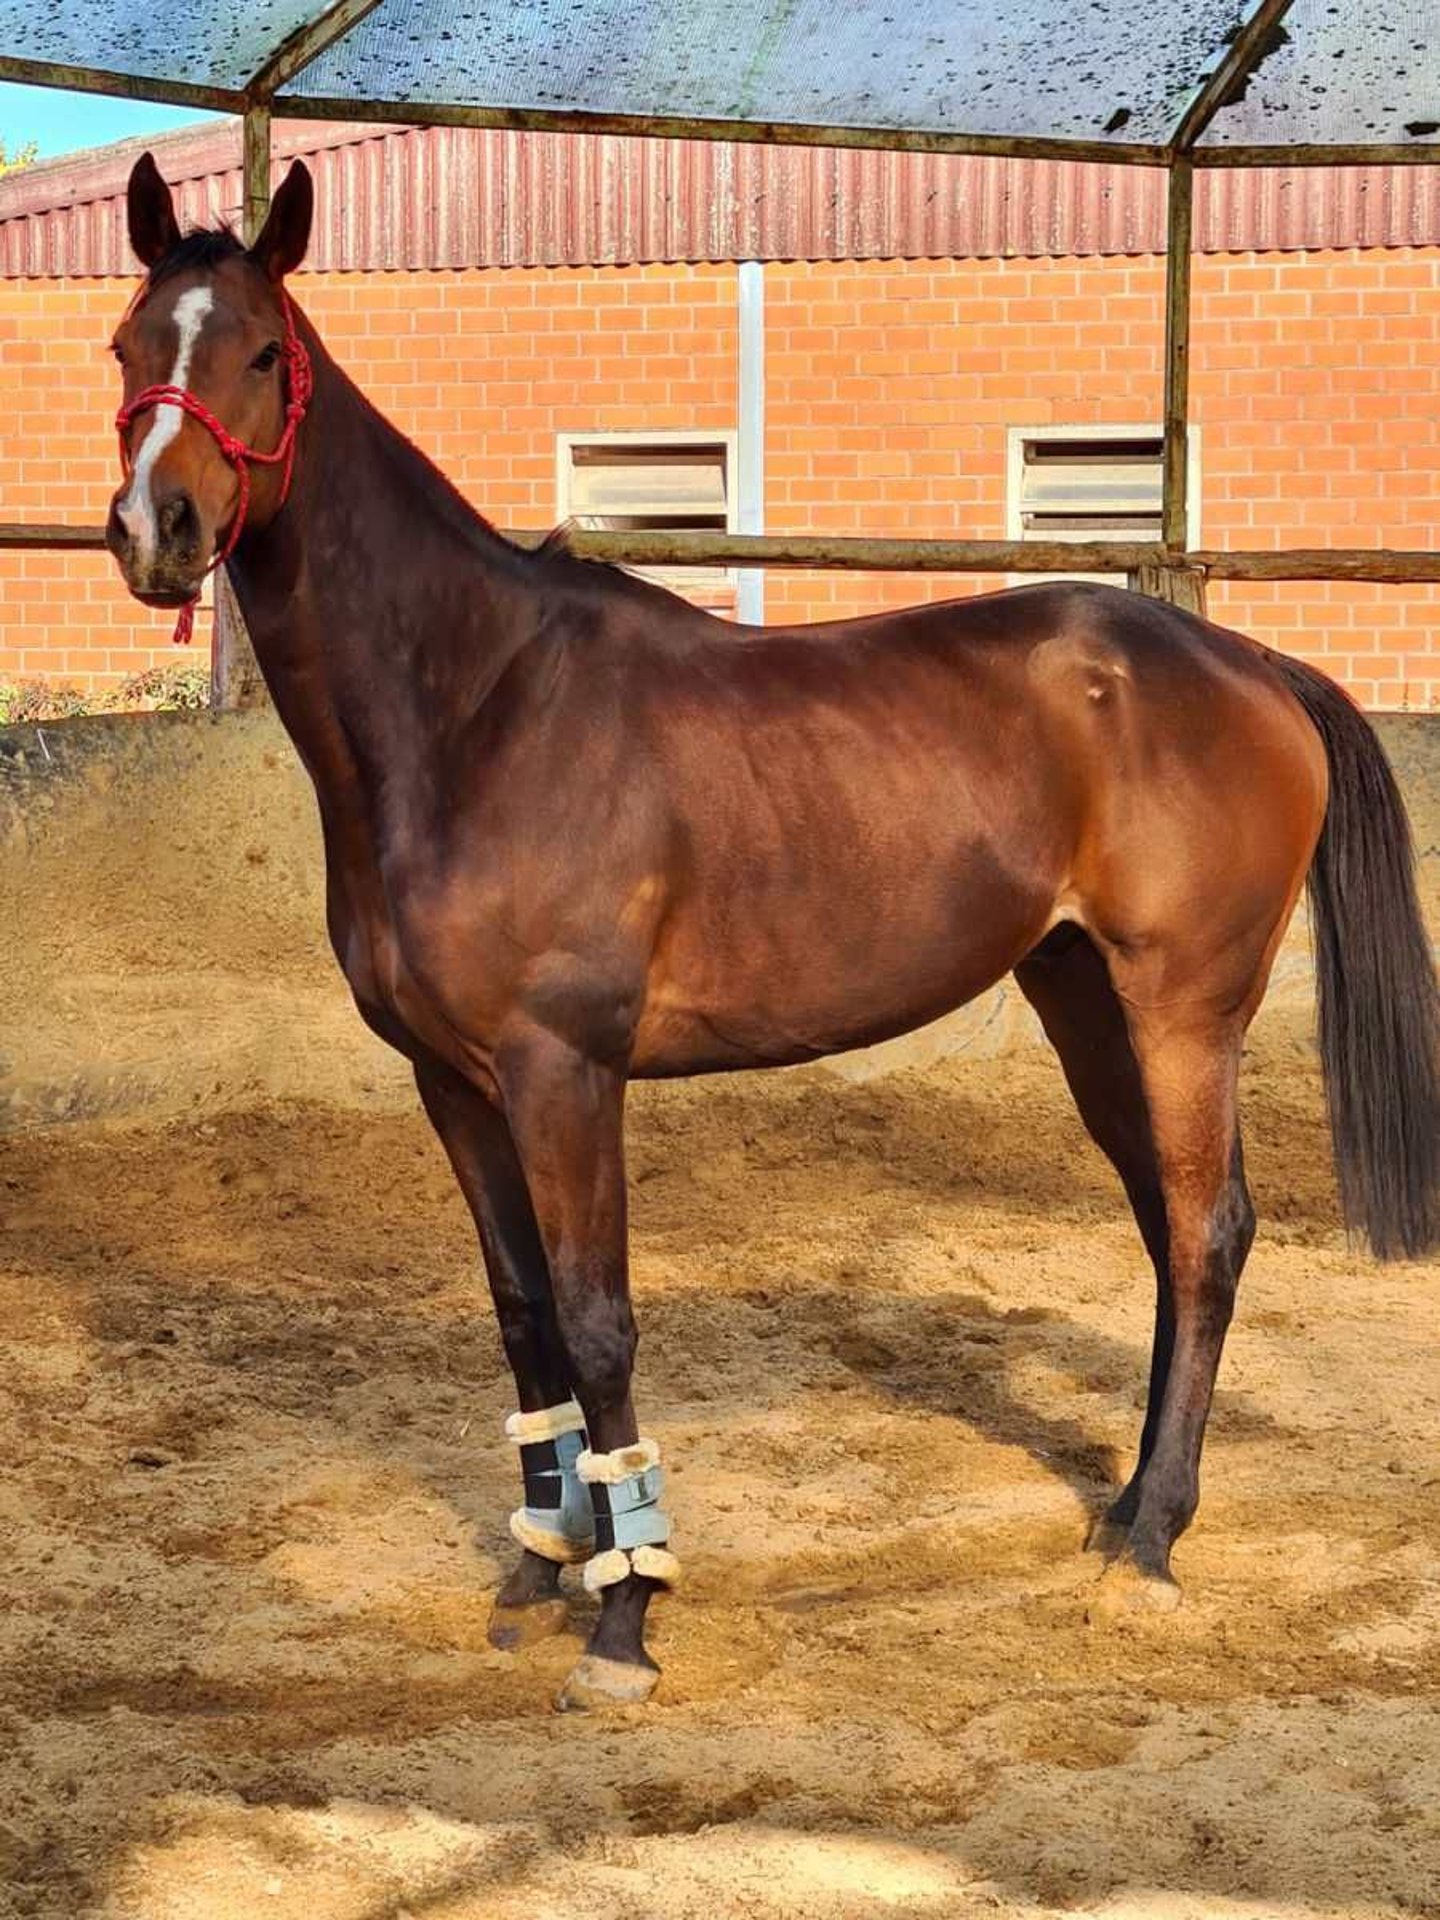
{"points": [[781, 975]]}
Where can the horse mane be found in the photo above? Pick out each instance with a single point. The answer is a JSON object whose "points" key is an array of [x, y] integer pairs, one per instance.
{"points": [[203, 247], [560, 560]]}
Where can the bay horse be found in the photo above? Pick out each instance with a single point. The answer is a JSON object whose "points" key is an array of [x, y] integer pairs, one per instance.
{"points": [[577, 831]]}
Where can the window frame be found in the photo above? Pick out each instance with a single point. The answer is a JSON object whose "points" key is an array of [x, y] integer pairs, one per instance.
{"points": [[1016, 438], [693, 583]]}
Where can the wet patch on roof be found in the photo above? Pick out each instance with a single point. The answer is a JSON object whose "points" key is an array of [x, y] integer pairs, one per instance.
{"points": [[1350, 73], [1031, 69]]}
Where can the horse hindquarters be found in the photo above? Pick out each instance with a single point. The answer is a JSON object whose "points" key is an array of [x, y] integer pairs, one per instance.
{"points": [[1204, 795]]}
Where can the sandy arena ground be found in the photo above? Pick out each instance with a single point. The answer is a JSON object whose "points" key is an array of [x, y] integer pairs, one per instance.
{"points": [[894, 1337]]}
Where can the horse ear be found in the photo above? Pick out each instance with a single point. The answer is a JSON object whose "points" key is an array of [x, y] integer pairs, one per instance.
{"points": [[286, 232], [154, 230]]}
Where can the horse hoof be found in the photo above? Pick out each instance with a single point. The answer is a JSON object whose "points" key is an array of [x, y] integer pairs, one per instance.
{"points": [[511, 1628], [596, 1682], [1125, 1591], [1108, 1538]]}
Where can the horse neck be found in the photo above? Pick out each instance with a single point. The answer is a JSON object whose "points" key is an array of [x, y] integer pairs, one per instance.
{"points": [[380, 605]]}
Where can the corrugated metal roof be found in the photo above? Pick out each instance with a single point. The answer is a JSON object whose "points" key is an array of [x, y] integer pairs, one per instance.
{"points": [[461, 197]]}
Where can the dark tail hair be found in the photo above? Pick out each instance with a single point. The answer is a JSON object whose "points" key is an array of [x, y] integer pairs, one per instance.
{"points": [[1378, 1000]]}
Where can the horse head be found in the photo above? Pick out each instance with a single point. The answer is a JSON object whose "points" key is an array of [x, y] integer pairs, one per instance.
{"points": [[216, 379]]}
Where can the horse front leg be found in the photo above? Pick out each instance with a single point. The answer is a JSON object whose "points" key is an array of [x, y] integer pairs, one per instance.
{"points": [[548, 1429], [567, 1114]]}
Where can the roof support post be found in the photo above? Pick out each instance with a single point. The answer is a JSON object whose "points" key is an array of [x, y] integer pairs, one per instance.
{"points": [[235, 678], [256, 167], [1175, 514]]}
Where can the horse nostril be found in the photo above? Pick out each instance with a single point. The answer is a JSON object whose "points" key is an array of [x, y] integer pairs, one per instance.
{"points": [[117, 534], [178, 522]]}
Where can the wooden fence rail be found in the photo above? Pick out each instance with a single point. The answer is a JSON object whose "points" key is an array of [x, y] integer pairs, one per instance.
{"points": [[823, 552]]}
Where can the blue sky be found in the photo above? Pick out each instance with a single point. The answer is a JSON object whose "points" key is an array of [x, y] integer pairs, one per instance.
{"points": [[60, 122]]}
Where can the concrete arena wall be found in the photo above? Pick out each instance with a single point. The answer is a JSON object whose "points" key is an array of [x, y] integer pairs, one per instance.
{"points": [[162, 944]]}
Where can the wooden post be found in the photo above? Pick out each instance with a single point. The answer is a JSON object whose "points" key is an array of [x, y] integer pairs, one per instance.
{"points": [[1175, 513], [256, 167], [1180, 586], [235, 677]]}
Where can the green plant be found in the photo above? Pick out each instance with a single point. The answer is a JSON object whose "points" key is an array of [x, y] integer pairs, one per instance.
{"points": [[24, 701], [13, 162], [183, 684]]}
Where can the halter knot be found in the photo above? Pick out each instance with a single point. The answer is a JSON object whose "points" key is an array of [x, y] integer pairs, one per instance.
{"points": [[300, 385]]}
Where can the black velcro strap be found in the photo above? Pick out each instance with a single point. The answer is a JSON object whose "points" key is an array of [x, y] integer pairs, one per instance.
{"points": [[604, 1523], [540, 1468]]}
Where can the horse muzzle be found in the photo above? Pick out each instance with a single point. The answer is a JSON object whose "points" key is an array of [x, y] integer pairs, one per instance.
{"points": [[161, 546]]}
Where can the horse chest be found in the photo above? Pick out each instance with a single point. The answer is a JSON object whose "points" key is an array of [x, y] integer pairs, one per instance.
{"points": [[407, 1009]]}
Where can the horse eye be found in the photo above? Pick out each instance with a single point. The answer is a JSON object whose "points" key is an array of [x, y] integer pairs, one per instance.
{"points": [[266, 357], [118, 351]]}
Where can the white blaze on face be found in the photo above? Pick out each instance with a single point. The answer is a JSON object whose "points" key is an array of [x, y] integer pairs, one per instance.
{"points": [[137, 508]]}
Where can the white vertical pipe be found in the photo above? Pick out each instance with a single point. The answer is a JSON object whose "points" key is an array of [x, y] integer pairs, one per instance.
{"points": [[750, 443]]}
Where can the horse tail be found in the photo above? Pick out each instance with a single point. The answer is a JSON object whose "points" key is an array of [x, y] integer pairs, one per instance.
{"points": [[1379, 1008]]}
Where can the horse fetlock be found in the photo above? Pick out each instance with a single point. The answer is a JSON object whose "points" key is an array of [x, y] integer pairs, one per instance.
{"points": [[1165, 1515], [1108, 1536]]}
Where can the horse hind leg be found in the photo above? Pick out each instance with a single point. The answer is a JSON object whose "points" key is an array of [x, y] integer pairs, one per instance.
{"points": [[1189, 1060], [1157, 1094], [1066, 981]]}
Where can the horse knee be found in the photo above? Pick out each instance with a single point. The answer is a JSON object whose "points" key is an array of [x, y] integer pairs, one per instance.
{"points": [[601, 1339]]}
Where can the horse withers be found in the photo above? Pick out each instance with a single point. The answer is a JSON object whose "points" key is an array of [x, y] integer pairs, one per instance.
{"points": [[577, 831]]}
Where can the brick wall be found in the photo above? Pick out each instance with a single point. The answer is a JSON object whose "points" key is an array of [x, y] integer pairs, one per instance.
{"points": [[890, 389]]}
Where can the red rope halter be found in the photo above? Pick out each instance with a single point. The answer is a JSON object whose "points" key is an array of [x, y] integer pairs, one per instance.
{"points": [[299, 385]]}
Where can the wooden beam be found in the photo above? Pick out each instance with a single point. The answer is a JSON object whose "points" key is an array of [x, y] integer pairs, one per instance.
{"points": [[1417, 153], [122, 86], [1175, 476], [672, 127], [1389, 566], [307, 43], [1244, 55], [674, 549], [887, 140], [33, 536]]}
